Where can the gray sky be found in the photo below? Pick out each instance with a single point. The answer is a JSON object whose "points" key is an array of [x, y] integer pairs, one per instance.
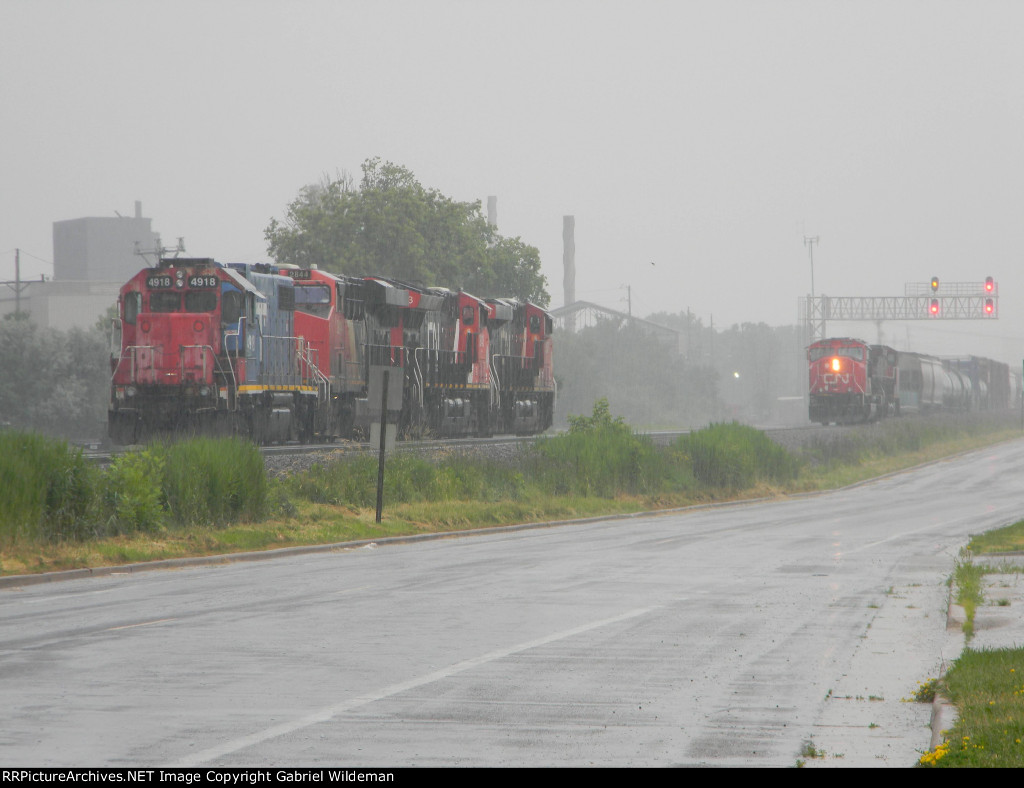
{"points": [[707, 137]]}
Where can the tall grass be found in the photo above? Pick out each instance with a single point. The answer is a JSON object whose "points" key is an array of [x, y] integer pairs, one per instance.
{"points": [[736, 457], [132, 496], [407, 479], [210, 481], [46, 489], [602, 456], [51, 493]]}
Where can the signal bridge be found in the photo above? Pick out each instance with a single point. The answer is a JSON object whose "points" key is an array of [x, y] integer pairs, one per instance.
{"points": [[921, 301]]}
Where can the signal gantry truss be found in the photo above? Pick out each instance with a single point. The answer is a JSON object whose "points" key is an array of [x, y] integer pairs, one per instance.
{"points": [[921, 301]]}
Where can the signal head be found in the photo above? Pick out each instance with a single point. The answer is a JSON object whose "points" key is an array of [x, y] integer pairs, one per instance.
{"points": [[989, 284], [990, 306], [935, 283], [933, 308]]}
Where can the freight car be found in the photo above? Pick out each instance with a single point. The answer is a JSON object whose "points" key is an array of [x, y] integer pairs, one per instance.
{"points": [[852, 381], [283, 353]]}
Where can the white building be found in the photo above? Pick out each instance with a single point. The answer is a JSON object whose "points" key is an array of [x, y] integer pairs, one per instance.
{"points": [[92, 258]]}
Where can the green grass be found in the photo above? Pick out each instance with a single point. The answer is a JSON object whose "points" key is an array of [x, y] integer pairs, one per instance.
{"points": [[968, 591], [1001, 540], [48, 489], [987, 687]]}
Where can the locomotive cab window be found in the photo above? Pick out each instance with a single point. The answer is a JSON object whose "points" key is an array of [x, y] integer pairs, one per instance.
{"points": [[231, 306], [132, 307], [200, 301], [313, 299], [164, 301]]}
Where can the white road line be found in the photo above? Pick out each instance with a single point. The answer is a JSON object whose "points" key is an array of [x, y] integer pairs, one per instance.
{"points": [[326, 713]]}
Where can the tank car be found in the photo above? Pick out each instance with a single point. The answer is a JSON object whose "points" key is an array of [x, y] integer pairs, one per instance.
{"points": [[927, 384], [991, 383]]}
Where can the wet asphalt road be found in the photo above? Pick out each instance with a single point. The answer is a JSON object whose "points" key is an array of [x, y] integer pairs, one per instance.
{"points": [[728, 636]]}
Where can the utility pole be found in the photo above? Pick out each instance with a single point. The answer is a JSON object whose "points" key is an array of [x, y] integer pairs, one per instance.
{"points": [[815, 322], [17, 285], [809, 242]]}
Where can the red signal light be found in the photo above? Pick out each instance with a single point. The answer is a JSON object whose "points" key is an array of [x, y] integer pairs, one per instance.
{"points": [[989, 306], [934, 307], [989, 284]]}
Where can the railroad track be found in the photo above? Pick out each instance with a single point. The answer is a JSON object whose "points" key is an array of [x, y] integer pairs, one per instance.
{"points": [[291, 457]]}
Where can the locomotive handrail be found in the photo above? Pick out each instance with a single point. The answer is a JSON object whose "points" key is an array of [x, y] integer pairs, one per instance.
{"points": [[307, 353], [418, 374], [181, 359], [495, 386], [237, 333], [116, 328], [130, 350]]}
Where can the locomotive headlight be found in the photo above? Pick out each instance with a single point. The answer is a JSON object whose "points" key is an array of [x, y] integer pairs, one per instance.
{"points": [[835, 365], [197, 326], [204, 391], [130, 391]]}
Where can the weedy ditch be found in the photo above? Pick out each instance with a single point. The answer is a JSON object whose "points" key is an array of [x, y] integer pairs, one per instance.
{"points": [[208, 496]]}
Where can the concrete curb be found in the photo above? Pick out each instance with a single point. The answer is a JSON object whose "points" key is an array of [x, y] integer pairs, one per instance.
{"points": [[944, 713]]}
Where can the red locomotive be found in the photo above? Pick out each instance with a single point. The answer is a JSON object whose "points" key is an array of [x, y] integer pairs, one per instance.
{"points": [[288, 353], [851, 381]]}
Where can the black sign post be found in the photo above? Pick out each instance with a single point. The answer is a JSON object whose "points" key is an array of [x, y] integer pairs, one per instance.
{"points": [[383, 433]]}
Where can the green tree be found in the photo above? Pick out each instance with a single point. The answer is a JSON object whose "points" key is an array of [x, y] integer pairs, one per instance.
{"points": [[390, 225], [54, 382]]}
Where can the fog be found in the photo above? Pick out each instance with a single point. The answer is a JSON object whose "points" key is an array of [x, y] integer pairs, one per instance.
{"points": [[696, 143]]}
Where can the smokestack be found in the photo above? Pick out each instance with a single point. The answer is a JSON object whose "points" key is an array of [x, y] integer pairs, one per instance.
{"points": [[569, 259], [492, 211], [138, 209]]}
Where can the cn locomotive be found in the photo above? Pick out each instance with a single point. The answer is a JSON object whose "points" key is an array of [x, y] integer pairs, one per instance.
{"points": [[280, 353], [852, 381]]}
